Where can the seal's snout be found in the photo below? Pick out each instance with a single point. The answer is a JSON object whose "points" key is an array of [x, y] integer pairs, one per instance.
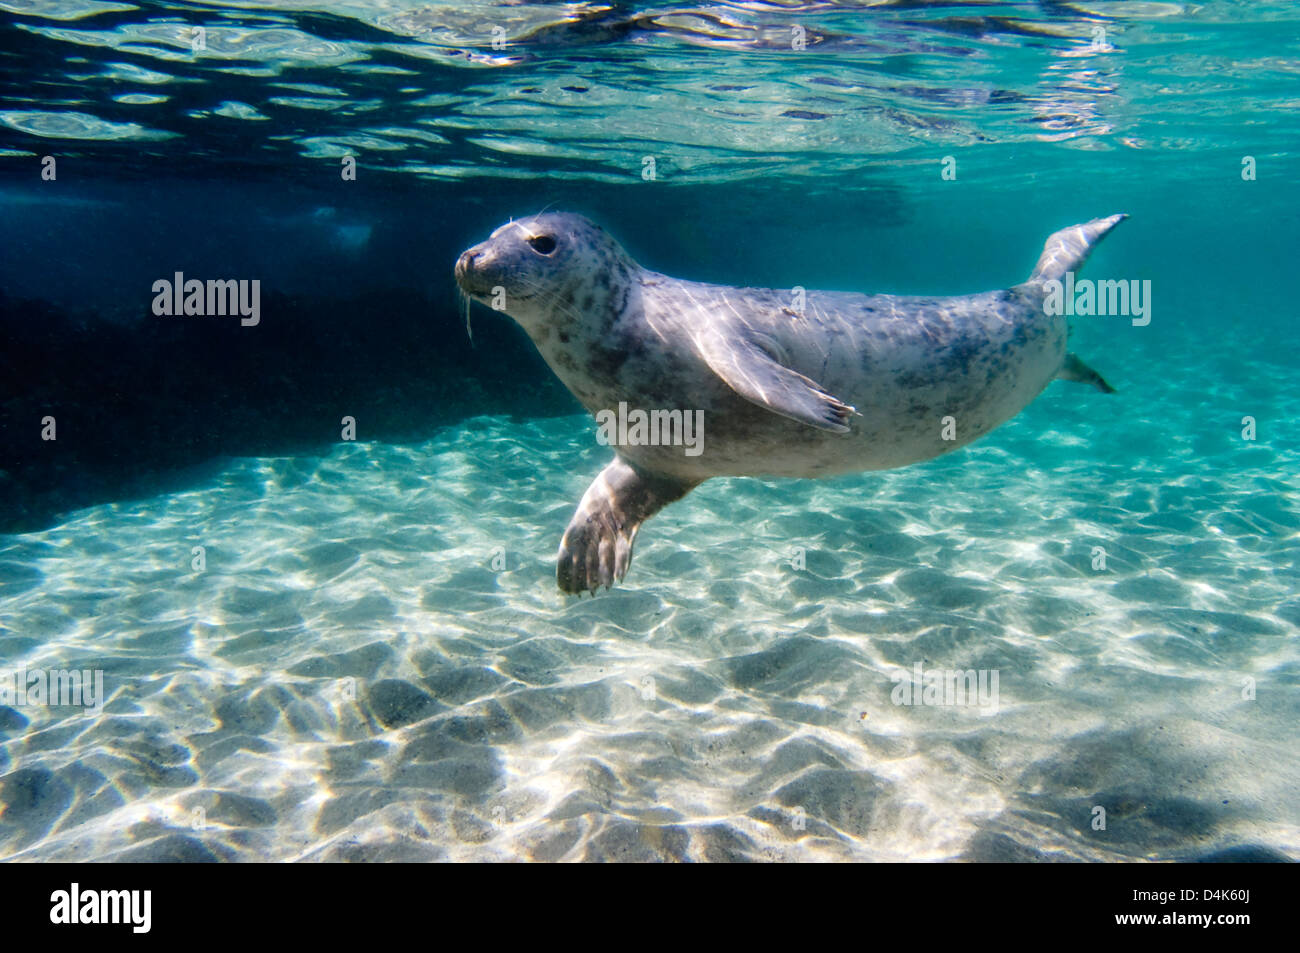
{"points": [[465, 264], [472, 271]]}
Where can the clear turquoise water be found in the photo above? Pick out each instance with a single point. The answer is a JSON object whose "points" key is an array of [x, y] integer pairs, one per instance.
{"points": [[375, 662]]}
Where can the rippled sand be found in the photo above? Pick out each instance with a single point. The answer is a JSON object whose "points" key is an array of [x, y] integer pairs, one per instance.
{"points": [[353, 677]]}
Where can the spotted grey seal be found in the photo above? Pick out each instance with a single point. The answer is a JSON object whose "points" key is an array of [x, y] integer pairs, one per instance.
{"points": [[833, 383]]}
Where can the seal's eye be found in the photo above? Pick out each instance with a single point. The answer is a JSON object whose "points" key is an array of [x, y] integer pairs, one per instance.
{"points": [[542, 244]]}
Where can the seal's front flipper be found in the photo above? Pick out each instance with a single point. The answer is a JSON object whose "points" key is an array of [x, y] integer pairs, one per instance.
{"points": [[597, 547], [1075, 370], [755, 369]]}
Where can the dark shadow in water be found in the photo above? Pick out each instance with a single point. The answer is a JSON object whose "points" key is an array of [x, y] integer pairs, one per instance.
{"points": [[146, 409]]}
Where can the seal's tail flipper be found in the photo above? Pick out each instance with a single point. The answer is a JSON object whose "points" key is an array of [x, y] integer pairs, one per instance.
{"points": [[1075, 370], [597, 547], [1068, 249]]}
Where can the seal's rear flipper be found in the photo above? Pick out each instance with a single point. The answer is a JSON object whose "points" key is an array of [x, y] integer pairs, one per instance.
{"points": [[1068, 249], [755, 371], [1075, 370], [597, 547]]}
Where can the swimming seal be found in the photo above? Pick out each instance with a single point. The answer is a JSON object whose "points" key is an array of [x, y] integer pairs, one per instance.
{"points": [[788, 385]]}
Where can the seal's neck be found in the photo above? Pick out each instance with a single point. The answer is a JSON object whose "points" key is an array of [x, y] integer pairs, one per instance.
{"points": [[586, 328]]}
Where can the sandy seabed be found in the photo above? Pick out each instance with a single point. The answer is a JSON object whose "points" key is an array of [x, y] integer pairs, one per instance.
{"points": [[376, 663]]}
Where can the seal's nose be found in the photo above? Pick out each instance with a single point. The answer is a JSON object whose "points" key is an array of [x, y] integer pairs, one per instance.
{"points": [[465, 262]]}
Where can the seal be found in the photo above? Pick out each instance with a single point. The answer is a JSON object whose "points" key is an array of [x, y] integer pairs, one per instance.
{"points": [[786, 383]]}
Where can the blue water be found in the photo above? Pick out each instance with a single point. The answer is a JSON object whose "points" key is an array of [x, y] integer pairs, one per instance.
{"points": [[371, 660]]}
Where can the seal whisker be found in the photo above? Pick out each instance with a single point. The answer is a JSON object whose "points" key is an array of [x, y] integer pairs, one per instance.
{"points": [[467, 302], [552, 302]]}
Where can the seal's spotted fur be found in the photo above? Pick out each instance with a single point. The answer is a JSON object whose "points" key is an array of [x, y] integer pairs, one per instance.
{"points": [[850, 382]]}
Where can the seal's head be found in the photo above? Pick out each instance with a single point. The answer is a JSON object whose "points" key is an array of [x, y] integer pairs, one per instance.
{"points": [[551, 268]]}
